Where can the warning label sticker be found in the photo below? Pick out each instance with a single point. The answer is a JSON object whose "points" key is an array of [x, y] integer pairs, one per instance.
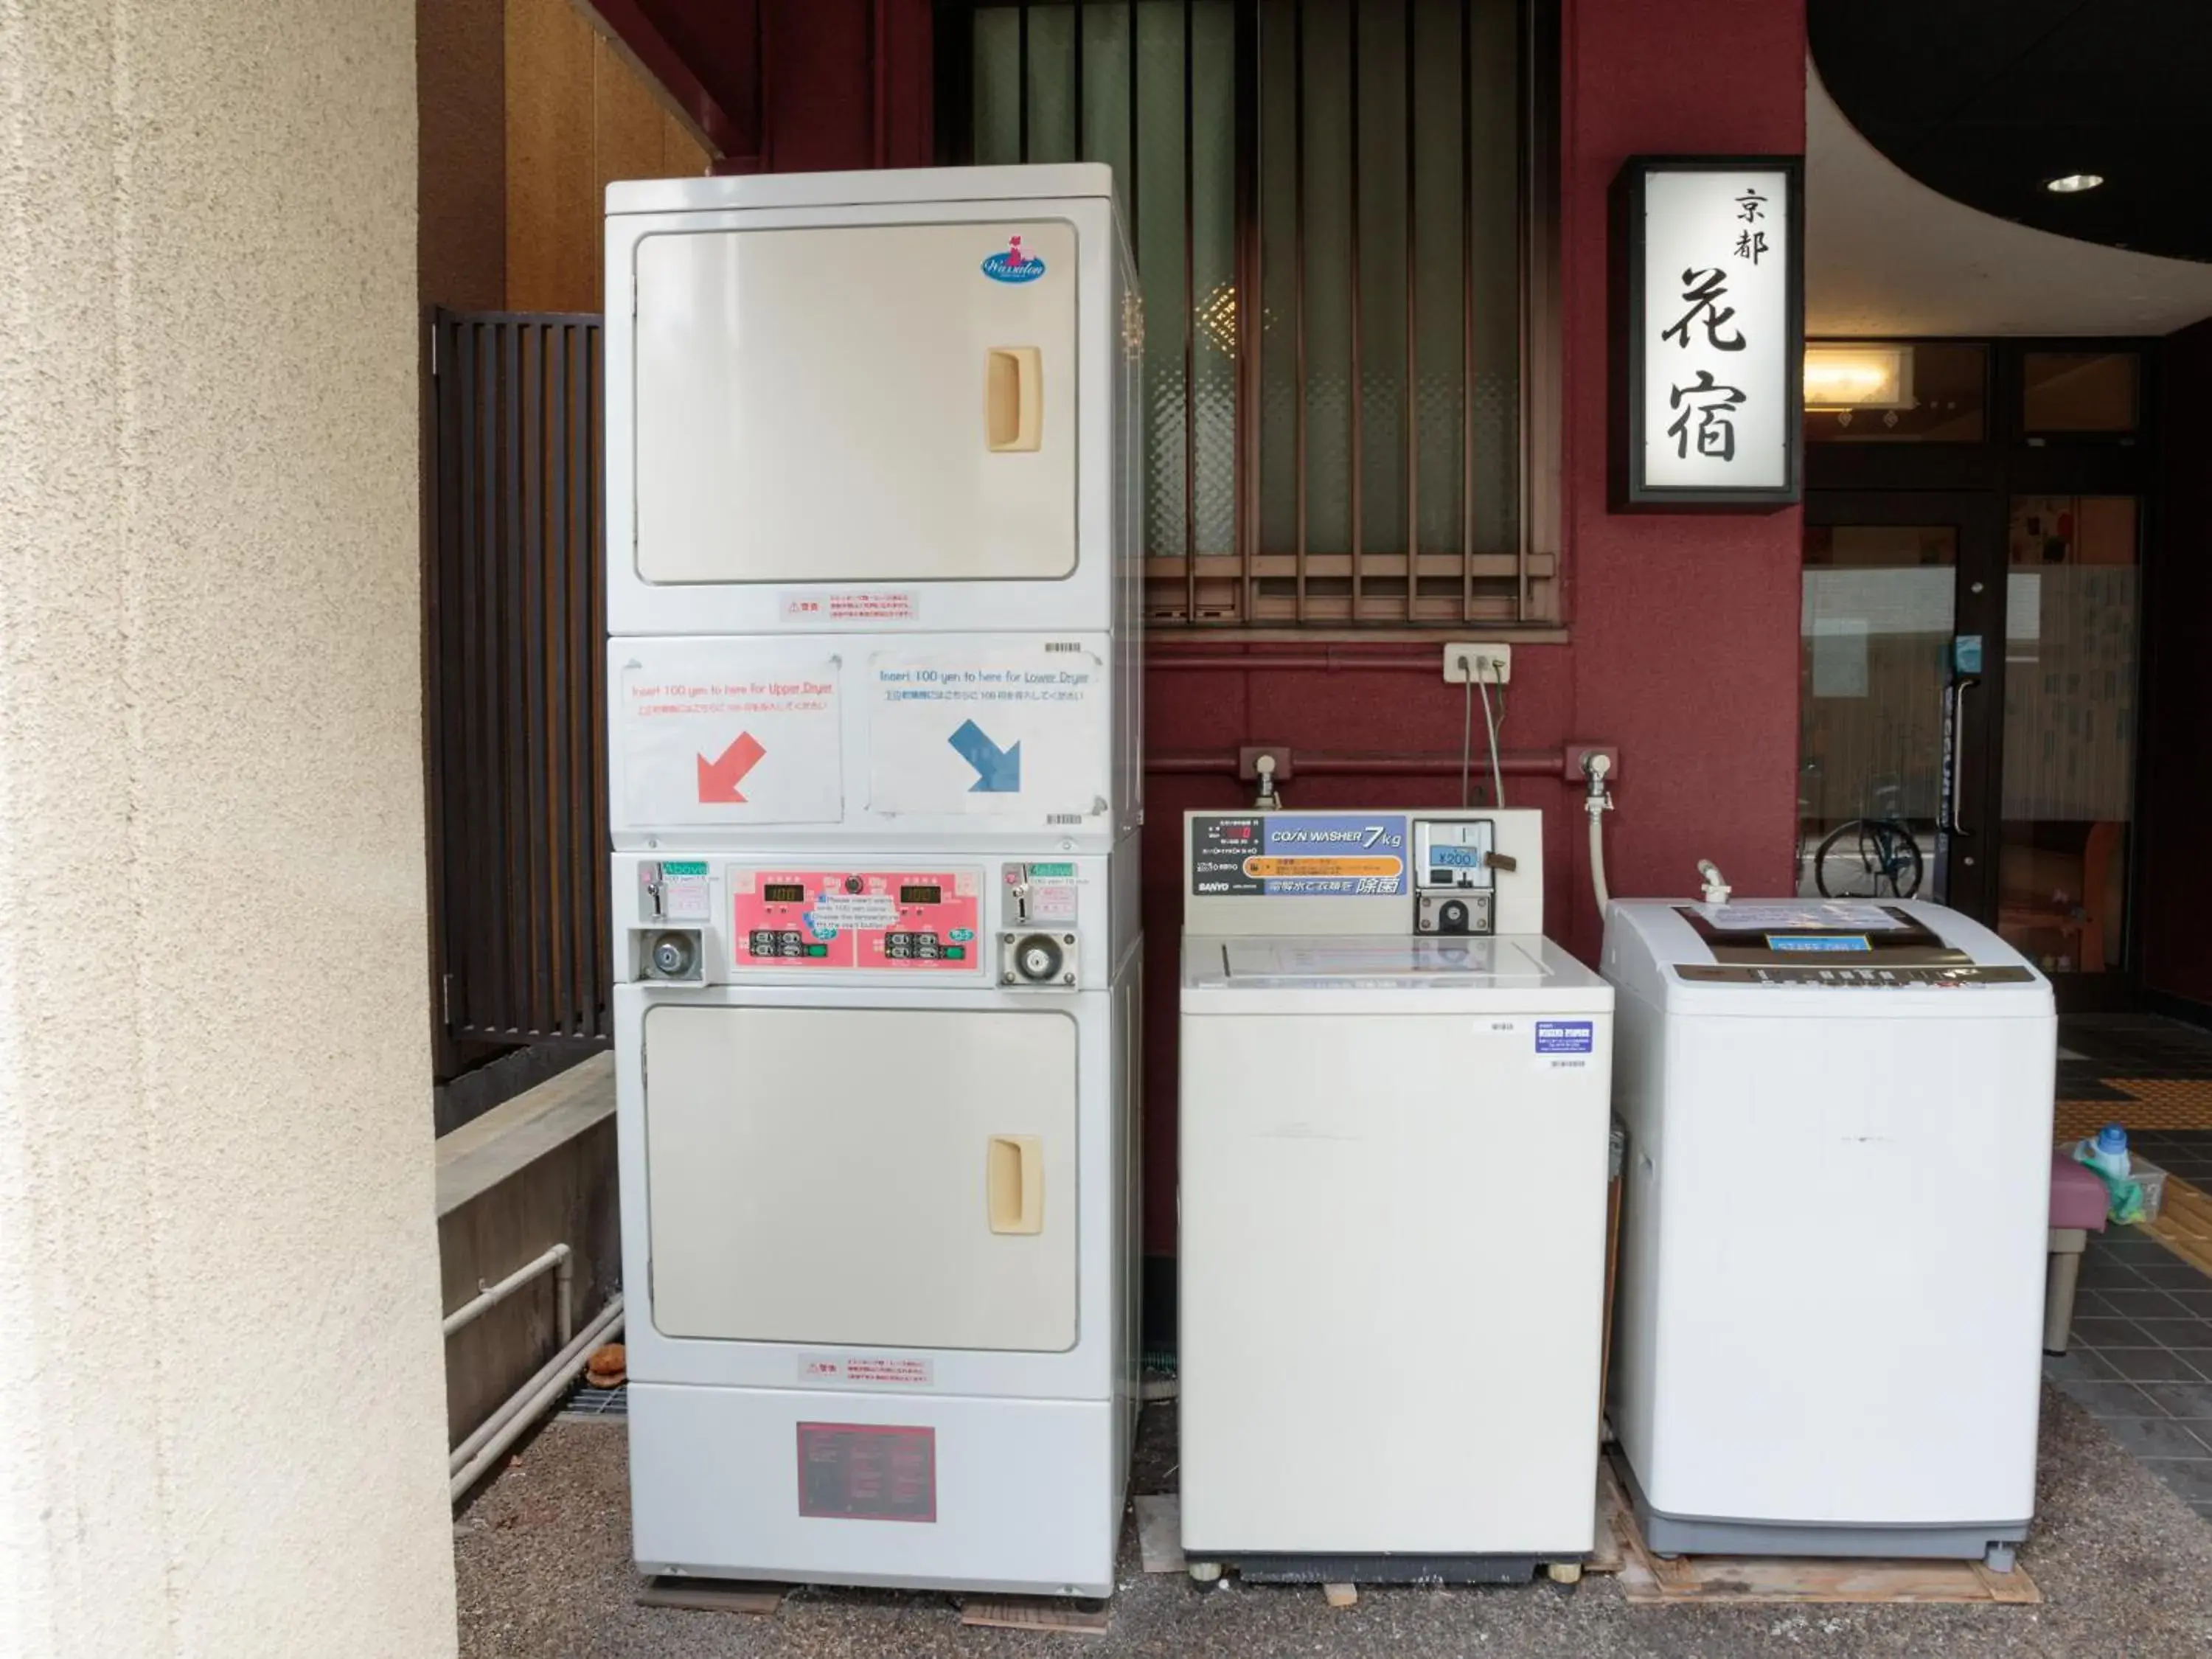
{"points": [[879, 1370], [728, 733], [867, 1472], [808, 608]]}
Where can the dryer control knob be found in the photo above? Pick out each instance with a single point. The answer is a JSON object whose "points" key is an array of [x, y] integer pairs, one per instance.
{"points": [[673, 956], [1037, 958]]}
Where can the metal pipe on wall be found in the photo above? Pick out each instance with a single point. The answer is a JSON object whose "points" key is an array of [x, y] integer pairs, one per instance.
{"points": [[510, 1421], [554, 1260], [1423, 663], [1523, 764]]}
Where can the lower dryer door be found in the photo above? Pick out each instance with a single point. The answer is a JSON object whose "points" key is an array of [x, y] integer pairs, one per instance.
{"points": [[872, 1177]]}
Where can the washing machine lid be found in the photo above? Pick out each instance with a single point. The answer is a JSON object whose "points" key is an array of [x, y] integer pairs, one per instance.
{"points": [[1770, 956], [1386, 974]]}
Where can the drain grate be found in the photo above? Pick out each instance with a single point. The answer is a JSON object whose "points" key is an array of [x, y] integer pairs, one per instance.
{"points": [[588, 1402]]}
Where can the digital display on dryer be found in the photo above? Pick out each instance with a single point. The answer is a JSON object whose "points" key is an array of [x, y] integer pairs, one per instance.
{"points": [[783, 892], [909, 894]]}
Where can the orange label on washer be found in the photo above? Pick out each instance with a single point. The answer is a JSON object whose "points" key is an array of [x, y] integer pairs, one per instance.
{"points": [[1265, 868]]}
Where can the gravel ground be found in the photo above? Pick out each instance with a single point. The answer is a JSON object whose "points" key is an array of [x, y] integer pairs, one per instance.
{"points": [[543, 1556]]}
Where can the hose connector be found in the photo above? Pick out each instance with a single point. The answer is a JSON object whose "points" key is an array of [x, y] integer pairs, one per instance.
{"points": [[1717, 886], [1269, 801], [1595, 765]]}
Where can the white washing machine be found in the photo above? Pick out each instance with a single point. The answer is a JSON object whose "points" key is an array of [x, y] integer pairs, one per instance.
{"points": [[1828, 1339], [1393, 1168]]}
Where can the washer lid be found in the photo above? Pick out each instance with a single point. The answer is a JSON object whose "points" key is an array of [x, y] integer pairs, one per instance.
{"points": [[1446, 963], [1385, 974]]}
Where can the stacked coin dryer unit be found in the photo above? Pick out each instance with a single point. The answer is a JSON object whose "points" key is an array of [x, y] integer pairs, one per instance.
{"points": [[872, 758]]}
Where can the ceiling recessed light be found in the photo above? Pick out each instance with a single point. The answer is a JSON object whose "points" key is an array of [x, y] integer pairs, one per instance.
{"points": [[2073, 183]]}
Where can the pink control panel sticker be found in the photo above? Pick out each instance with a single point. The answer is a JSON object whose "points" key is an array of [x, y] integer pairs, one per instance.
{"points": [[907, 921]]}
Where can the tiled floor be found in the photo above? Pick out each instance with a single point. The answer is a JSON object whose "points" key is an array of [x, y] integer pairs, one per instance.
{"points": [[2137, 1045], [2141, 1362]]}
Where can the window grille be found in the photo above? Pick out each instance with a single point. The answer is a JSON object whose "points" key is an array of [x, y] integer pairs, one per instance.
{"points": [[1352, 450]]}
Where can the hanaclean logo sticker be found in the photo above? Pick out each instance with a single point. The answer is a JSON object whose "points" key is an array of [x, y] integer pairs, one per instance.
{"points": [[1013, 265]]}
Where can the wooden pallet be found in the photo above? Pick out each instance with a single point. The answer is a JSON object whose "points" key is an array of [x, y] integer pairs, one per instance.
{"points": [[712, 1595], [1647, 1580], [1606, 1554], [1049, 1613]]}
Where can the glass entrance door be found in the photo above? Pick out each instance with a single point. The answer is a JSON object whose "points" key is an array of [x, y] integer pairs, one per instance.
{"points": [[1900, 672], [1966, 713], [2072, 617]]}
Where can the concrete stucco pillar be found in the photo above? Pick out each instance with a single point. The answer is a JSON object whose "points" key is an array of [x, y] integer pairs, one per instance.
{"points": [[222, 1425]]}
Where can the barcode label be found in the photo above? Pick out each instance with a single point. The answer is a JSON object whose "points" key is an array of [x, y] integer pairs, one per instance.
{"points": [[1061, 645], [1063, 817]]}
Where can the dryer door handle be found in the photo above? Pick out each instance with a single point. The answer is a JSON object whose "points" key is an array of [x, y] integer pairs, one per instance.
{"points": [[1014, 1181], [1013, 398]]}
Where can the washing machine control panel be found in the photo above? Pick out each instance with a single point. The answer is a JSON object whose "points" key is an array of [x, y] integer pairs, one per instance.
{"points": [[902, 921]]}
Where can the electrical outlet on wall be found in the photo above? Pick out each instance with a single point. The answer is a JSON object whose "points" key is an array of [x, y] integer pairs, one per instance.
{"points": [[1483, 659]]}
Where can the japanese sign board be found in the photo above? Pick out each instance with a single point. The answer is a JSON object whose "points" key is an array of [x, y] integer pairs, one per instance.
{"points": [[1709, 336]]}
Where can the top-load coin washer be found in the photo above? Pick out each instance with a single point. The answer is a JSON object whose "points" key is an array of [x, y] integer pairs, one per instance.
{"points": [[1394, 1127]]}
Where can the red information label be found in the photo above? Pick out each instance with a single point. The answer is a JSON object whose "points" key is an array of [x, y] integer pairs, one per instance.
{"points": [[867, 1472]]}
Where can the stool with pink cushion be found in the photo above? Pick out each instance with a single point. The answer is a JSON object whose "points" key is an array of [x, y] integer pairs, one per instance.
{"points": [[2078, 1201]]}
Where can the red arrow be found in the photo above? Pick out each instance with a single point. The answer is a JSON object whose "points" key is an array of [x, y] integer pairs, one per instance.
{"points": [[719, 779]]}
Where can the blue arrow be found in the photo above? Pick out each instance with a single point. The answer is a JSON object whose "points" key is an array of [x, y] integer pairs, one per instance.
{"points": [[997, 771]]}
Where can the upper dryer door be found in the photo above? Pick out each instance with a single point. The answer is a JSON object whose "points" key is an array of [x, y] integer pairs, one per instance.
{"points": [[838, 418]]}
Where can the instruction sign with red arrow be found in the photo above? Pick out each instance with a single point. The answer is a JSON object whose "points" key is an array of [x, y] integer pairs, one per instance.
{"points": [[726, 732], [718, 778]]}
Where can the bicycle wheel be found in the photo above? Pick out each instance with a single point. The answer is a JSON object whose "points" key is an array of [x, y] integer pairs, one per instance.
{"points": [[1846, 866], [1898, 853], [1867, 858]]}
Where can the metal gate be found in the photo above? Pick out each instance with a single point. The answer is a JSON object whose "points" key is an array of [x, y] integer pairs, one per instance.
{"points": [[515, 683]]}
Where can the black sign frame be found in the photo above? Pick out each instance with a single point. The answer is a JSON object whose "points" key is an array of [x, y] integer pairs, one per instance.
{"points": [[1628, 489]]}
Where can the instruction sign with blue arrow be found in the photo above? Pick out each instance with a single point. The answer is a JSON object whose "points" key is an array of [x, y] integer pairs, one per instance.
{"points": [[997, 771], [1019, 731]]}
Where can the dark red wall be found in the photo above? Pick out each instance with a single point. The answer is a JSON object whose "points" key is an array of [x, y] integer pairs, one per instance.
{"points": [[1683, 646], [2175, 888]]}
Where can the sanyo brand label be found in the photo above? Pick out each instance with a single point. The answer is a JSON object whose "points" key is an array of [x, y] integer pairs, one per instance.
{"points": [[1013, 265]]}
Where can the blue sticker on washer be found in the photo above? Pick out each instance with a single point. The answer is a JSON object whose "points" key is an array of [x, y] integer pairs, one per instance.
{"points": [[1013, 265], [1565, 1036]]}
